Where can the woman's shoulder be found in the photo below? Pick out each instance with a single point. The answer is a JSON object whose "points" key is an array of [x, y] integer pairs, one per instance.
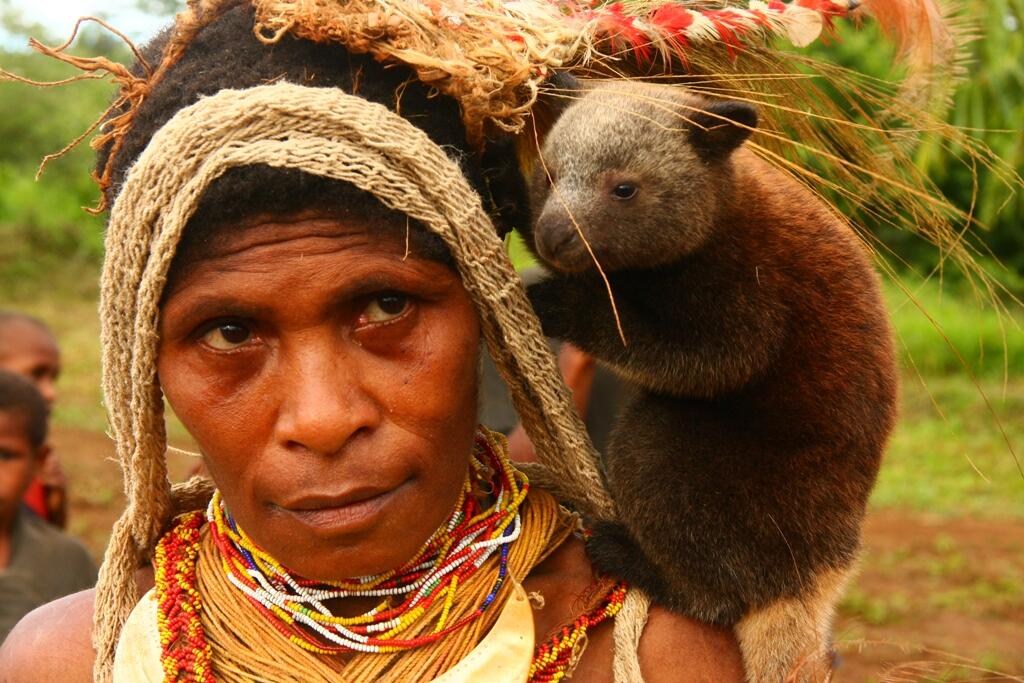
{"points": [[672, 647], [676, 648], [52, 642]]}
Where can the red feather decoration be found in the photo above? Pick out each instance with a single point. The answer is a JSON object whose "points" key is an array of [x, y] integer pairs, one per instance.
{"points": [[622, 32], [671, 23], [727, 25], [672, 20]]}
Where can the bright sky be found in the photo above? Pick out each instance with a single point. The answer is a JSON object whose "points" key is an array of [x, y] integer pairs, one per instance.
{"points": [[58, 16]]}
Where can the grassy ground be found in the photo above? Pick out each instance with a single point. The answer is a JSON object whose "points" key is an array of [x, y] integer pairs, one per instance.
{"points": [[956, 462], [958, 447], [943, 567]]}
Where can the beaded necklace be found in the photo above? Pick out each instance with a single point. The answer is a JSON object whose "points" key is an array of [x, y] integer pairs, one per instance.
{"points": [[471, 535], [554, 659], [183, 646], [186, 653]]}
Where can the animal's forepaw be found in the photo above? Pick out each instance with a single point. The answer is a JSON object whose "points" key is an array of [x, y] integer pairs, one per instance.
{"points": [[548, 304], [613, 552]]}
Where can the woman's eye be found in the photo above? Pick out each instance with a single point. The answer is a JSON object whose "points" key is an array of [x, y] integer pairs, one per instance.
{"points": [[385, 307], [227, 336]]}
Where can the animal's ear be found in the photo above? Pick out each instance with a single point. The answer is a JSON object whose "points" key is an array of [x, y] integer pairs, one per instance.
{"points": [[721, 127], [564, 80], [558, 93]]}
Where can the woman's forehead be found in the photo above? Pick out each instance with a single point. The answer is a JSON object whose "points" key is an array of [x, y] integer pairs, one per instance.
{"points": [[269, 231], [262, 237]]}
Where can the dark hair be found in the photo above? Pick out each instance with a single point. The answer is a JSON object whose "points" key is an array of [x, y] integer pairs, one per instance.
{"points": [[20, 397], [225, 54]]}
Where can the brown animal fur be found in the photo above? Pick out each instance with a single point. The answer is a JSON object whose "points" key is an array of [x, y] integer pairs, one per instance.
{"points": [[759, 354]]}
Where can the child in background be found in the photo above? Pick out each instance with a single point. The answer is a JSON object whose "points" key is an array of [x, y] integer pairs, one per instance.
{"points": [[38, 563], [28, 348]]}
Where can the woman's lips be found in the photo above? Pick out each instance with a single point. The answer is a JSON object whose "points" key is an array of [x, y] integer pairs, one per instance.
{"points": [[347, 512]]}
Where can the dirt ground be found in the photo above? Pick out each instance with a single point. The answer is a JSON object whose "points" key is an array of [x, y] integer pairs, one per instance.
{"points": [[932, 592]]}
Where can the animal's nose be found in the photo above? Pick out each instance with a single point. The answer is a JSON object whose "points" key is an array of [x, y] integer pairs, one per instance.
{"points": [[558, 239], [554, 231]]}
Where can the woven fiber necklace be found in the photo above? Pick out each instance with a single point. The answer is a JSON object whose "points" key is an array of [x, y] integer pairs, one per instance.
{"points": [[471, 535]]}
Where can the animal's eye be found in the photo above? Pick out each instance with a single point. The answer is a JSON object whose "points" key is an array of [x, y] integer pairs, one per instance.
{"points": [[384, 307], [624, 191], [227, 336]]}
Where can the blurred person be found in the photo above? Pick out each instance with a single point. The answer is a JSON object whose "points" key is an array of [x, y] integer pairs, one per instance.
{"points": [[29, 348], [38, 563]]}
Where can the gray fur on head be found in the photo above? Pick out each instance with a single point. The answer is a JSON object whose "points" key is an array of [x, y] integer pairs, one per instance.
{"points": [[633, 156]]}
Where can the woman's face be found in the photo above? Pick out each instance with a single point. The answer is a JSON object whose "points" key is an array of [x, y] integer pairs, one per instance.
{"points": [[330, 383]]}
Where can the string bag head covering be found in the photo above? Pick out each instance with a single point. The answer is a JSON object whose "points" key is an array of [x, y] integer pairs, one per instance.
{"points": [[493, 62]]}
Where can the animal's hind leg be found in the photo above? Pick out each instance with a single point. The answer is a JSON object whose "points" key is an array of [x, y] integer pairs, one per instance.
{"points": [[789, 640]]}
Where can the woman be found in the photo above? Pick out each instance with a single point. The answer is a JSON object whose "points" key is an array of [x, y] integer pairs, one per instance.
{"points": [[323, 351]]}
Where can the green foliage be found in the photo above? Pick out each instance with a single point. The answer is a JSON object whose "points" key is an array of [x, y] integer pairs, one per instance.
{"points": [[947, 331], [518, 253], [164, 7], [42, 223], [988, 105]]}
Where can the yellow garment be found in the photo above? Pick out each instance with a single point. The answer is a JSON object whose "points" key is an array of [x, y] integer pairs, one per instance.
{"points": [[503, 656]]}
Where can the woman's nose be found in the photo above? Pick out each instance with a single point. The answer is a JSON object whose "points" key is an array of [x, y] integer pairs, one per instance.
{"points": [[325, 400]]}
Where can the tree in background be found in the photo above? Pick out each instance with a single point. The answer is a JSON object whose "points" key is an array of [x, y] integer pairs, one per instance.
{"points": [[988, 104], [42, 222]]}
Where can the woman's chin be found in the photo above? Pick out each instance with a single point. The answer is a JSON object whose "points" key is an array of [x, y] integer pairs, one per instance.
{"points": [[340, 564], [333, 545]]}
